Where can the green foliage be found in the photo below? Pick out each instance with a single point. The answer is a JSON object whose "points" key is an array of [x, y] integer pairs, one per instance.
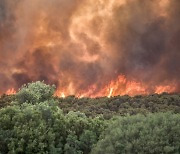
{"points": [[122, 105], [25, 129], [72, 145], [43, 128], [92, 107], [87, 140], [6, 100], [154, 133], [34, 121], [35, 92]]}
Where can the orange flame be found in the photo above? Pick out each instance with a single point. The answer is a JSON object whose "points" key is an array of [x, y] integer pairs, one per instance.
{"points": [[120, 86], [58, 93], [11, 91], [110, 92], [166, 88]]}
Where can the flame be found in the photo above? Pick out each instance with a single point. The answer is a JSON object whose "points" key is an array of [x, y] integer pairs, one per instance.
{"points": [[120, 86], [166, 88], [110, 92], [63, 95], [11, 91], [60, 94]]}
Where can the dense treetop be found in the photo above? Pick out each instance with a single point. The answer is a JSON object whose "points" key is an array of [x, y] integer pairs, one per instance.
{"points": [[34, 121], [154, 133], [108, 107]]}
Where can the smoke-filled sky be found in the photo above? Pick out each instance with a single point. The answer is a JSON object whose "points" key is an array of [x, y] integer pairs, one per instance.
{"points": [[91, 47]]}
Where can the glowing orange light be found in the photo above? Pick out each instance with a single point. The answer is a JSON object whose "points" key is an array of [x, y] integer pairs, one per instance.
{"points": [[10, 91], [110, 92], [166, 88]]}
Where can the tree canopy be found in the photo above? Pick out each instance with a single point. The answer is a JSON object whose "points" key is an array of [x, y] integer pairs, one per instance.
{"points": [[35, 121], [154, 133]]}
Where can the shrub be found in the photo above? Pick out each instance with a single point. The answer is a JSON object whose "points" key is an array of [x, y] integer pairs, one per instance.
{"points": [[43, 128], [35, 92], [156, 133]]}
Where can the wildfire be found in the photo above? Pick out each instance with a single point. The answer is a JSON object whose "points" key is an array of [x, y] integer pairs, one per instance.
{"points": [[11, 91], [60, 94], [63, 95], [120, 86], [110, 92], [166, 88], [91, 48]]}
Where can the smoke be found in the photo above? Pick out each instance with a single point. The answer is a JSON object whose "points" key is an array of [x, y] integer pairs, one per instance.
{"points": [[88, 46]]}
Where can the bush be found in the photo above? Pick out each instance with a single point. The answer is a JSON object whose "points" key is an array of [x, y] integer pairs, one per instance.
{"points": [[43, 128], [35, 92], [156, 133]]}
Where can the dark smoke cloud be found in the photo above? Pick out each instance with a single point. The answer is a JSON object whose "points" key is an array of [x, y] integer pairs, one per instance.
{"points": [[142, 49], [79, 43]]}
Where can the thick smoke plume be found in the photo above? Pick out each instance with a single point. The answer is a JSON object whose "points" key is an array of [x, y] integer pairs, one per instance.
{"points": [[91, 47]]}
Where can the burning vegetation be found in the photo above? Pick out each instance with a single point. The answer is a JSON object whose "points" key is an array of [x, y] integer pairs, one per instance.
{"points": [[91, 48]]}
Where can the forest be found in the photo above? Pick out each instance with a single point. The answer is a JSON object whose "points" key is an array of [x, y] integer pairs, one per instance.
{"points": [[35, 121]]}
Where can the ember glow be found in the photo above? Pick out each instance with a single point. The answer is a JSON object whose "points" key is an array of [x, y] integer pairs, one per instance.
{"points": [[91, 48]]}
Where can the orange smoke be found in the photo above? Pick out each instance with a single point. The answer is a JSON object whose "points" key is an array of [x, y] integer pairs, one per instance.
{"points": [[91, 48]]}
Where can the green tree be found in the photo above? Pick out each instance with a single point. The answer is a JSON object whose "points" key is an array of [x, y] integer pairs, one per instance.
{"points": [[26, 129], [154, 133], [87, 140], [43, 128], [35, 92], [72, 145]]}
